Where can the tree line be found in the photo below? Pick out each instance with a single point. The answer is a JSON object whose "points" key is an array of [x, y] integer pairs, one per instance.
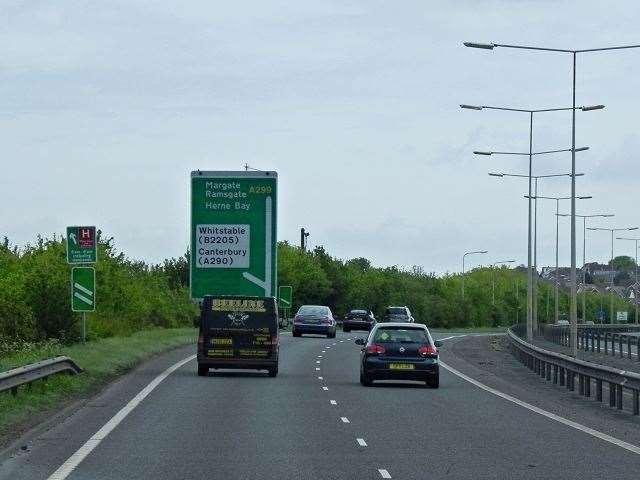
{"points": [[133, 295]]}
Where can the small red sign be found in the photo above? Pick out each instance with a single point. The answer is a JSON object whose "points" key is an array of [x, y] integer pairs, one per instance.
{"points": [[86, 237]]}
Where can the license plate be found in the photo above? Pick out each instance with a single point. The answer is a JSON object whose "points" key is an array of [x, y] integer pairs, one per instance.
{"points": [[402, 366]]}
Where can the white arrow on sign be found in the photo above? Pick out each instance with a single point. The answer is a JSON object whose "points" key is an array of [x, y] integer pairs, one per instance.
{"points": [[266, 283], [72, 236]]}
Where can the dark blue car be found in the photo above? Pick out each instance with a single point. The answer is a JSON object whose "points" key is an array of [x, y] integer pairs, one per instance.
{"points": [[399, 351], [314, 319]]}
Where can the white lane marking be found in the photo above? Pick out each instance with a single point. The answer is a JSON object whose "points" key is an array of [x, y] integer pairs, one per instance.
{"points": [[324, 351], [333, 344], [361, 442], [74, 460], [333, 402], [317, 361], [320, 378], [317, 368], [544, 413], [384, 473], [319, 356], [452, 336], [341, 341], [325, 388], [345, 420]]}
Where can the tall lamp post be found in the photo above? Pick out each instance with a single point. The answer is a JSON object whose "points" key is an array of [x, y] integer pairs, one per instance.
{"points": [[635, 285], [530, 154], [476, 252], [584, 254], [612, 230], [534, 317], [573, 304], [557, 200], [493, 281]]}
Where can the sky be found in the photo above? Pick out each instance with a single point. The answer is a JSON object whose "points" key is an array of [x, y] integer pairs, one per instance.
{"points": [[105, 108]]}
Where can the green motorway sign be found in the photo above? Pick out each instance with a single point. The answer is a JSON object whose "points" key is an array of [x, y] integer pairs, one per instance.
{"points": [[233, 233], [81, 245], [83, 289], [285, 296]]}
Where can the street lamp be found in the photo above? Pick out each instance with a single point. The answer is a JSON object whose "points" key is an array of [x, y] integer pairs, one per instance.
{"points": [[557, 200], [530, 307], [635, 286], [612, 230], [534, 278], [584, 254], [463, 256], [493, 282], [490, 46]]}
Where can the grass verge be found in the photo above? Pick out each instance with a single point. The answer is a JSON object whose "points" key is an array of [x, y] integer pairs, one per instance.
{"points": [[101, 361]]}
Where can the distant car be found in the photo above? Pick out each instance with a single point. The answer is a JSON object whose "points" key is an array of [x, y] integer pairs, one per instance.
{"points": [[398, 314], [358, 320], [316, 319], [398, 351]]}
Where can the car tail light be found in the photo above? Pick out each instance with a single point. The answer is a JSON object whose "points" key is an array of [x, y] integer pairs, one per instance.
{"points": [[326, 321], [375, 349], [428, 351], [297, 319]]}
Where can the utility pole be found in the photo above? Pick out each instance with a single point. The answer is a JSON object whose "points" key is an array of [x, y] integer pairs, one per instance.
{"points": [[303, 239]]}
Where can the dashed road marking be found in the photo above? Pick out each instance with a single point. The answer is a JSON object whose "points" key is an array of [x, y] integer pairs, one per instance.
{"points": [[325, 388], [317, 361], [319, 356], [333, 344], [333, 402], [361, 442], [345, 420], [317, 368], [320, 378], [384, 473]]}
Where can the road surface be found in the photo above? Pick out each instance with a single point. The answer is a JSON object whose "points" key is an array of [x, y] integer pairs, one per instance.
{"points": [[314, 421]]}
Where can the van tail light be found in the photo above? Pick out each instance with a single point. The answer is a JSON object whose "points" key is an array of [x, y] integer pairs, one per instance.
{"points": [[274, 340], [375, 349], [200, 342], [428, 351]]}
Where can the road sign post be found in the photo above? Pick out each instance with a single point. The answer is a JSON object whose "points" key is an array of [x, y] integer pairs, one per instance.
{"points": [[83, 293], [81, 245], [233, 233]]}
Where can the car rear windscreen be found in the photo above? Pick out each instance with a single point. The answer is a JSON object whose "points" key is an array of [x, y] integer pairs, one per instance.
{"points": [[313, 310], [401, 335], [396, 311], [357, 313]]}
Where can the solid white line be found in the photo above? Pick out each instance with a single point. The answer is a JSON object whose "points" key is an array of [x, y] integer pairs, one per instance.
{"points": [[333, 402], [325, 388], [361, 442], [74, 460], [452, 336], [544, 413], [344, 420], [384, 473]]}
